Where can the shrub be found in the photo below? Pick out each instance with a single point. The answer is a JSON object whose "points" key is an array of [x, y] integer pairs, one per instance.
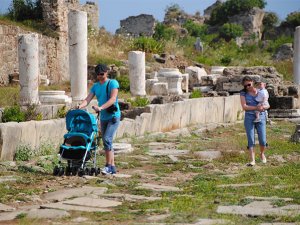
{"points": [[293, 19], [195, 30], [196, 94], [23, 153], [148, 45], [13, 113], [20, 10], [226, 60], [274, 45], [222, 12], [270, 20], [124, 83], [108, 61], [139, 102], [162, 32], [231, 31]]}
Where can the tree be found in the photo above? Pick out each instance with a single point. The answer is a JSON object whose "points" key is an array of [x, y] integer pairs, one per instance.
{"points": [[194, 29], [270, 20], [293, 19], [231, 31], [163, 32], [21, 10], [222, 12]]}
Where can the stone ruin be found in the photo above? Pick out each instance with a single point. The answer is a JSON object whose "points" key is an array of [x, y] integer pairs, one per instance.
{"points": [[53, 51], [136, 26]]}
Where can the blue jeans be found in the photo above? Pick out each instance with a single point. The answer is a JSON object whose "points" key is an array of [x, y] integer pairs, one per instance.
{"points": [[108, 130], [260, 127]]}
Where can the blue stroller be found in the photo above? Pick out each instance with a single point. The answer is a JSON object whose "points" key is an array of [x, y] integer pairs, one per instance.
{"points": [[80, 145]]}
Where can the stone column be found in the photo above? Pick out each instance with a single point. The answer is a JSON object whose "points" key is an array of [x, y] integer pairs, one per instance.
{"points": [[78, 50], [28, 50], [137, 73], [297, 56]]}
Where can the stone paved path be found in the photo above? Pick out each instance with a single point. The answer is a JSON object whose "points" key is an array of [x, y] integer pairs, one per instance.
{"points": [[152, 174]]}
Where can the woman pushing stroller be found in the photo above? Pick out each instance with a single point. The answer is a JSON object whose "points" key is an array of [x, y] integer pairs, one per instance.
{"points": [[106, 92]]}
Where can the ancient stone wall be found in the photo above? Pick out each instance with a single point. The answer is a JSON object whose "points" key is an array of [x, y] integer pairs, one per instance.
{"points": [[48, 51], [136, 26], [53, 52]]}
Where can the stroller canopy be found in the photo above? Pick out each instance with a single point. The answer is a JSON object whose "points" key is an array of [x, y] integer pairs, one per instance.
{"points": [[81, 121]]}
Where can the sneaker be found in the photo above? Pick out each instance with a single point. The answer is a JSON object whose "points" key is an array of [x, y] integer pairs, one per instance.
{"points": [[263, 159], [250, 164], [257, 120], [113, 170], [106, 170]]}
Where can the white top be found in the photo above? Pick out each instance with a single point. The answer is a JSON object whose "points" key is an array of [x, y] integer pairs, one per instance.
{"points": [[262, 96]]}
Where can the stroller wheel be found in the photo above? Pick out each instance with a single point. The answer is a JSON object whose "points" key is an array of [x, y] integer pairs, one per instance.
{"points": [[55, 171], [80, 172], [61, 171], [87, 171], [74, 171], [93, 170], [97, 171], [68, 171]]}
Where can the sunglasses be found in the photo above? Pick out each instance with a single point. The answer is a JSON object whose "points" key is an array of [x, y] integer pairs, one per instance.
{"points": [[247, 85], [101, 74]]}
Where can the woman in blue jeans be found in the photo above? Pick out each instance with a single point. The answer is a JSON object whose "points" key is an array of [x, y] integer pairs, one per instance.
{"points": [[250, 105], [106, 91]]}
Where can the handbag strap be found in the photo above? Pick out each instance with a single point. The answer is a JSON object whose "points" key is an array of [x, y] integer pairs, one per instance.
{"points": [[107, 90]]}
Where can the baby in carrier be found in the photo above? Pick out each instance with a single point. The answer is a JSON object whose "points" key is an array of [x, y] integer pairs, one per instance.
{"points": [[262, 99]]}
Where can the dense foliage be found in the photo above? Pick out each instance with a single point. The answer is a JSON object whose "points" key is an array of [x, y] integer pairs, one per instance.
{"points": [[13, 113], [21, 10], [270, 20], [222, 12], [231, 31], [148, 45], [293, 19], [163, 32], [194, 29]]}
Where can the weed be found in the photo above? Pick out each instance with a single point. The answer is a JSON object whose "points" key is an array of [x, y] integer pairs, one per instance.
{"points": [[139, 102], [24, 153], [61, 112], [196, 94], [124, 83], [13, 113]]}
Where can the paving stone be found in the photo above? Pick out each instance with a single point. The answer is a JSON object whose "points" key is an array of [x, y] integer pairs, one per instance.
{"points": [[239, 185], [158, 217], [155, 187], [174, 152], [278, 224], [7, 216], [120, 175], [6, 208], [274, 198], [122, 148], [8, 179], [173, 158], [212, 222], [161, 145], [92, 202], [74, 192], [260, 208], [179, 132], [131, 198], [209, 155], [46, 213], [80, 219], [60, 205]]}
